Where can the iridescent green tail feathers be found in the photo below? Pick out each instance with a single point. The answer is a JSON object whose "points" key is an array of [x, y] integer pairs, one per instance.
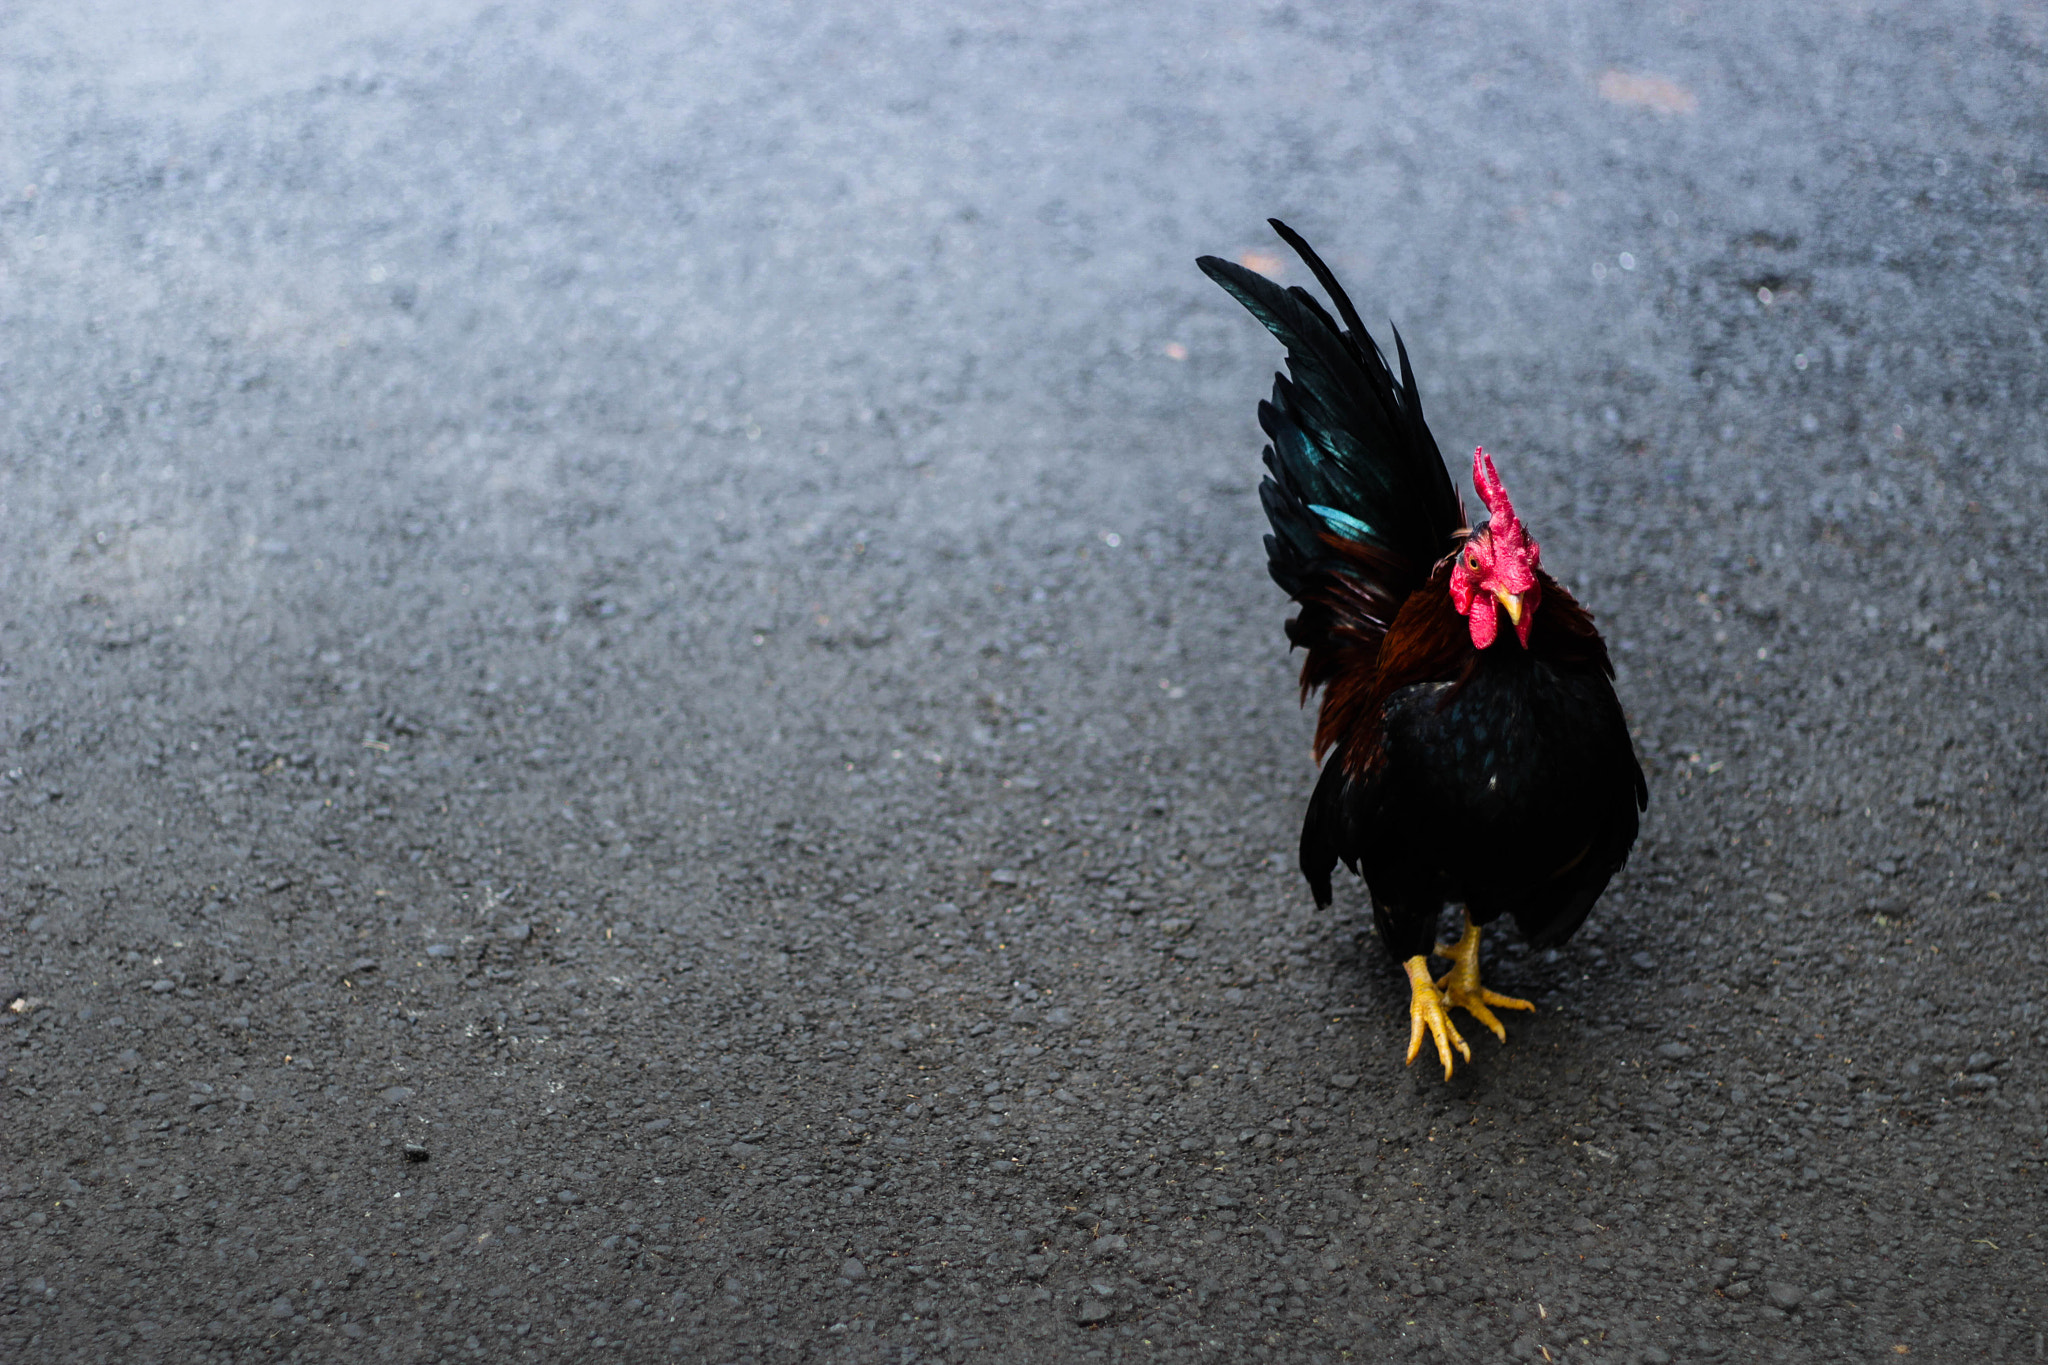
{"points": [[1357, 487]]}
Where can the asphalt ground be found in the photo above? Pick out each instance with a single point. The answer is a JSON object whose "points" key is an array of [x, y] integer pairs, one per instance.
{"points": [[642, 717]]}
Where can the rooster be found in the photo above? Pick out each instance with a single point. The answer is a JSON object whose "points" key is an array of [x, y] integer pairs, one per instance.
{"points": [[1476, 752]]}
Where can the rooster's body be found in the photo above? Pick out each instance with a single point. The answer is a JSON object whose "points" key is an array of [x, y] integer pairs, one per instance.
{"points": [[1463, 762]]}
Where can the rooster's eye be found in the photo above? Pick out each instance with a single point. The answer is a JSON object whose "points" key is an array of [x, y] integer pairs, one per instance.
{"points": [[1471, 561]]}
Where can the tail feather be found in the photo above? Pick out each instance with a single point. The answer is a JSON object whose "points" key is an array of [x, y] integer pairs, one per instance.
{"points": [[1323, 831], [1359, 500], [1325, 277]]}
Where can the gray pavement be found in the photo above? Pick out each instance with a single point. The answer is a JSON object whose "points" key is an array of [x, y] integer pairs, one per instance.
{"points": [[642, 718]]}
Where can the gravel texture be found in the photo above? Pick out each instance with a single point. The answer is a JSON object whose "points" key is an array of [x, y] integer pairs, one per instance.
{"points": [[641, 708]]}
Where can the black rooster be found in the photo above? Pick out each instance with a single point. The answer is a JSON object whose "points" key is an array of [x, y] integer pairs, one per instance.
{"points": [[1467, 763]]}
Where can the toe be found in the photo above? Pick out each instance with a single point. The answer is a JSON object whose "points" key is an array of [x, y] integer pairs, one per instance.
{"points": [[1477, 1009], [1429, 1018], [1443, 1049], [1448, 1037]]}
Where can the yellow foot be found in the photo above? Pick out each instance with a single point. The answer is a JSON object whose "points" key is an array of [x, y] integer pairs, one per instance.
{"points": [[1461, 988], [1426, 1012]]}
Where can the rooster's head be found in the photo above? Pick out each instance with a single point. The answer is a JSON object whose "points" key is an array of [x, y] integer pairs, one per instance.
{"points": [[1496, 566]]}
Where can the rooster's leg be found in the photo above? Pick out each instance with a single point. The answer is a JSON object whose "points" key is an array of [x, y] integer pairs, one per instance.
{"points": [[1426, 1013], [1461, 988]]}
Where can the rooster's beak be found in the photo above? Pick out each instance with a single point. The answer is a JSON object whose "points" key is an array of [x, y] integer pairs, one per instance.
{"points": [[1512, 602]]}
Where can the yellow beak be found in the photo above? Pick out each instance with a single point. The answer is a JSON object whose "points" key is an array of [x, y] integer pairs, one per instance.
{"points": [[1511, 602]]}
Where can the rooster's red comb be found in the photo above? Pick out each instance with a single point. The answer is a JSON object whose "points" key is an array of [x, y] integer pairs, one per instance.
{"points": [[1515, 556], [1489, 490], [1506, 525]]}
